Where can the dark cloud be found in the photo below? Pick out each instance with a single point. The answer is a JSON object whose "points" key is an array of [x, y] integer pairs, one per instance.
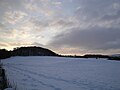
{"points": [[112, 17], [93, 38], [91, 9]]}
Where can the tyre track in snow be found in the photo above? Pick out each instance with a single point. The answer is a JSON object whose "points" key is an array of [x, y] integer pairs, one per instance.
{"points": [[28, 65], [80, 84], [34, 79]]}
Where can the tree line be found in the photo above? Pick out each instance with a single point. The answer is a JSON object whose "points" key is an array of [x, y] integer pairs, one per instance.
{"points": [[39, 51]]}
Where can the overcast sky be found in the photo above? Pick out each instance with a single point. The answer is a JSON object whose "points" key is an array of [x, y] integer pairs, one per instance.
{"points": [[65, 26]]}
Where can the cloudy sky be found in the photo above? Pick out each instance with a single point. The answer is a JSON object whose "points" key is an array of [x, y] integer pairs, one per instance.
{"points": [[65, 26]]}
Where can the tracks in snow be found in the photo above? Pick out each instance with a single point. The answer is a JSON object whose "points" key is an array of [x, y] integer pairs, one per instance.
{"points": [[28, 73], [34, 79], [31, 74]]}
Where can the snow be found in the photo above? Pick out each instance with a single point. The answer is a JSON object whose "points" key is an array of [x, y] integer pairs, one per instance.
{"points": [[8, 89], [59, 73]]}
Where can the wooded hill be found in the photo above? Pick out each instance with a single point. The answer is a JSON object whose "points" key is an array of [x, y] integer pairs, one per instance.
{"points": [[27, 51]]}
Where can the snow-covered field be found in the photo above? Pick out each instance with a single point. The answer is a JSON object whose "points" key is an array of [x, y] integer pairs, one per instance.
{"points": [[58, 73]]}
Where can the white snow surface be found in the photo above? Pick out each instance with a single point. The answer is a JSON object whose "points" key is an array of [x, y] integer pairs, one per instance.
{"points": [[8, 89], [59, 73]]}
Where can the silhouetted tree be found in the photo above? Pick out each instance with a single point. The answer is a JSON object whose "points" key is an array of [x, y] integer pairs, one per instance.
{"points": [[4, 54]]}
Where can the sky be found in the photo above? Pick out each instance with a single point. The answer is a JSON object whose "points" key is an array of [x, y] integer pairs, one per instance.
{"points": [[65, 26]]}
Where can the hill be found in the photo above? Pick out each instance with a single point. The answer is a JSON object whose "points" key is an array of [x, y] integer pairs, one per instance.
{"points": [[32, 51], [26, 51]]}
